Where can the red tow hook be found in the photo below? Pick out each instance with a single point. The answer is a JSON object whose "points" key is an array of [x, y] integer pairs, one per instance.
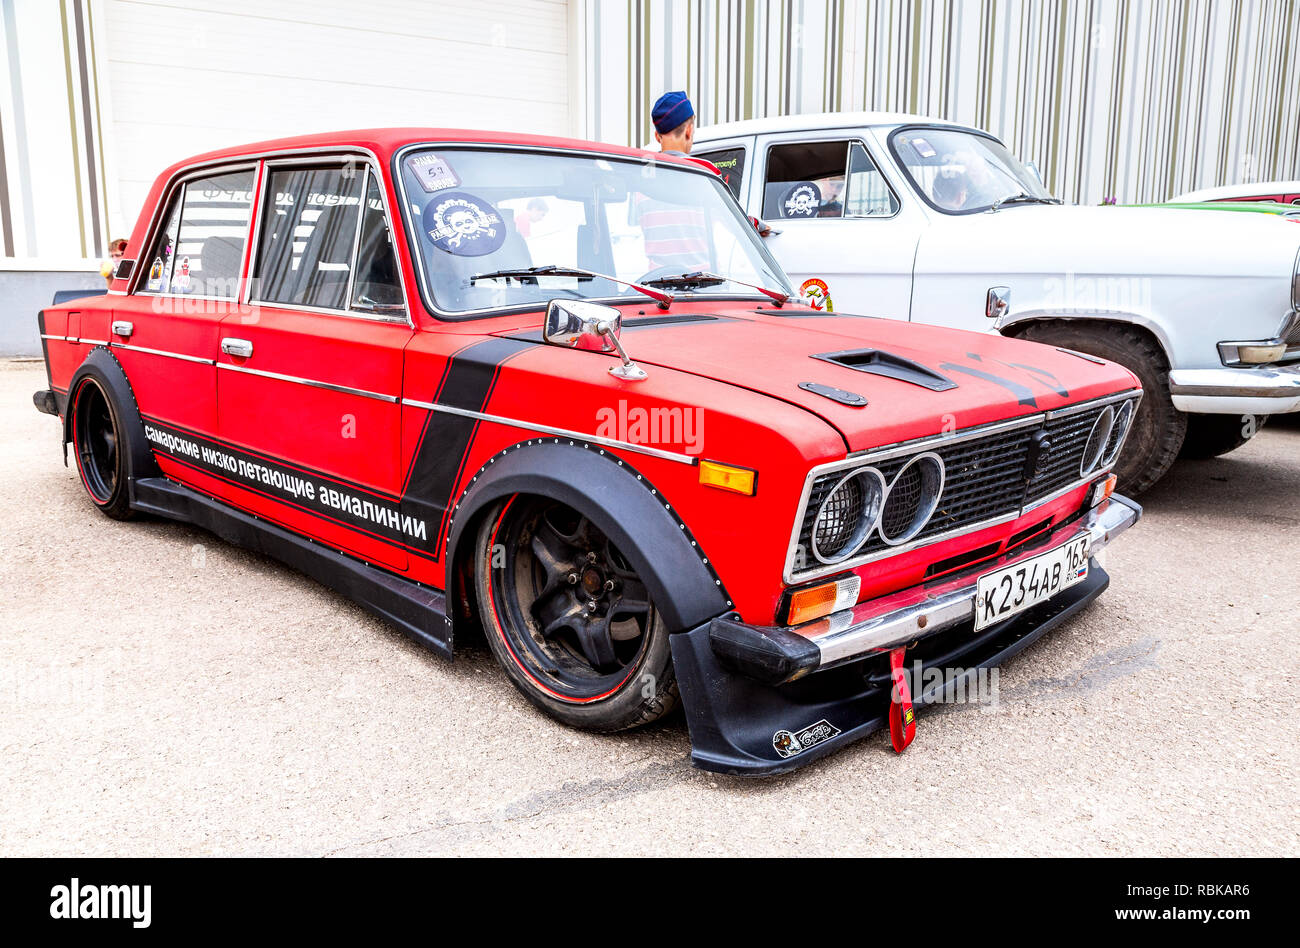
{"points": [[902, 718]]}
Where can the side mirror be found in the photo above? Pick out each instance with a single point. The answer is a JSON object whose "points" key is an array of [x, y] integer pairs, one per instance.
{"points": [[123, 269], [578, 324], [1033, 169]]}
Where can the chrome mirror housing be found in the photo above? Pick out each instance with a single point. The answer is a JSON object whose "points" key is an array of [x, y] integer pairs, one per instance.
{"points": [[578, 324]]}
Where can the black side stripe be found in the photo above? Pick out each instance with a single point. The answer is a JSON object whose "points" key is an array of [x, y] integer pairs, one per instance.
{"points": [[446, 439]]}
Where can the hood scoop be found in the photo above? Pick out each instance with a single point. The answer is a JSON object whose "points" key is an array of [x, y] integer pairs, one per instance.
{"points": [[879, 362]]}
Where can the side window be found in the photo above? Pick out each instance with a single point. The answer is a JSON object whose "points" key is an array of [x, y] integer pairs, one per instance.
{"points": [[731, 162], [200, 249], [867, 193], [804, 180], [309, 230], [377, 287]]}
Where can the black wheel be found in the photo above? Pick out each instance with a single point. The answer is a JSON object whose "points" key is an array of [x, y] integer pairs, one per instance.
{"points": [[1209, 436], [1159, 428], [569, 619], [101, 457]]}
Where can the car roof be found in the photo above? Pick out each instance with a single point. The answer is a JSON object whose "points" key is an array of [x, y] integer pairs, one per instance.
{"points": [[815, 121], [385, 141]]}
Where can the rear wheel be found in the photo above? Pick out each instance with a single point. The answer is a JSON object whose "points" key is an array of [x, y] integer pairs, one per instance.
{"points": [[569, 619], [101, 455], [1209, 436], [1159, 429]]}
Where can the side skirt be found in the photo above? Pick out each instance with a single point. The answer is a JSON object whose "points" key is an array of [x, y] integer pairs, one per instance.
{"points": [[420, 612]]}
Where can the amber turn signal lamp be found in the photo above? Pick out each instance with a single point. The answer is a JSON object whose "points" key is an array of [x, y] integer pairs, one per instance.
{"points": [[726, 477], [817, 601], [1102, 490]]}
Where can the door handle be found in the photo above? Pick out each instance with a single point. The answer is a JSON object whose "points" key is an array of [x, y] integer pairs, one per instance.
{"points": [[240, 348], [122, 328]]}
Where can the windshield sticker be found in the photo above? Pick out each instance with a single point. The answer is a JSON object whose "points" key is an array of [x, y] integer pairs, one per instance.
{"points": [[155, 275], [923, 148], [802, 200], [433, 173], [461, 224], [817, 293]]}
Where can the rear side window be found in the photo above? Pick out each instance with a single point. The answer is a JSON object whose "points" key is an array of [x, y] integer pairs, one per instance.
{"points": [[199, 250], [731, 163], [309, 233]]}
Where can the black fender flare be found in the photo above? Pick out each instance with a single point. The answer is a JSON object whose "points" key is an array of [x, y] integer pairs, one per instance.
{"points": [[102, 366], [622, 503]]}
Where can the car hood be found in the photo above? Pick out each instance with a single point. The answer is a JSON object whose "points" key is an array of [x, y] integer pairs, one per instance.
{"points": [[1137, 241], [771, 351]]}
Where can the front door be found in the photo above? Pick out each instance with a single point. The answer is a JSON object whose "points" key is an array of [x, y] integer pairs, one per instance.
{"points": [[841, 231], [309, 380]]}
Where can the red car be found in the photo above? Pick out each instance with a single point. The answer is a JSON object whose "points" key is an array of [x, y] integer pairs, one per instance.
{"points": [[559, 392]]}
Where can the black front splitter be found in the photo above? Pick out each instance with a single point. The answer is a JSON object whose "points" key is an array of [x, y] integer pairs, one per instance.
{"points": [[733, 718]]}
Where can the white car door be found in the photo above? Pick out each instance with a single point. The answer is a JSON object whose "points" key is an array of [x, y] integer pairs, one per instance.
{"points": [[844, 233]]}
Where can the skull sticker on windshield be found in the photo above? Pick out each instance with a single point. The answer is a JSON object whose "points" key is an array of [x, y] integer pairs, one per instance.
{"points": [[802, 200], [461, 224]]}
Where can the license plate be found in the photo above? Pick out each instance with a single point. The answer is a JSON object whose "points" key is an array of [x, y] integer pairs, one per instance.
{"points": [[1007, 592]]}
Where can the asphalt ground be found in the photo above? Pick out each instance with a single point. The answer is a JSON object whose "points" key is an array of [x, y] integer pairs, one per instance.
{"points": [[163, 693]]}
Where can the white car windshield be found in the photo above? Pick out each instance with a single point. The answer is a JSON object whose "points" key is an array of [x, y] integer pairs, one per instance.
{"points": [[960, 172], [481, 215]]}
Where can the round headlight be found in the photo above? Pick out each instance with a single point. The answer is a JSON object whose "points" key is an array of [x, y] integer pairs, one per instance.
{"points": [[1097, 441], [848, 515], [1119, 430], [912, 500]]}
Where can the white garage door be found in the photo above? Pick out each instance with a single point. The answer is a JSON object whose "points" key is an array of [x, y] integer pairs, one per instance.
{"points": [[187, 77]]}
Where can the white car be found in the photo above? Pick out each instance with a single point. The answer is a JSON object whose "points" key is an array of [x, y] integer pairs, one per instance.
{"points": [[921, 219]]}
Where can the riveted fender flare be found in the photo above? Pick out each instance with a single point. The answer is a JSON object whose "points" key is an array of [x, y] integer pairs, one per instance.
{"points": [[631, 512], [103, 367]]}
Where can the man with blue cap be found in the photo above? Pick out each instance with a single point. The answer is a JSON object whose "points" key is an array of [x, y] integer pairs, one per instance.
{"points": [[674, 119]]}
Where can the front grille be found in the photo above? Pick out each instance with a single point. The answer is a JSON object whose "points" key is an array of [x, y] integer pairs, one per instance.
{"points": [[985, 480]]}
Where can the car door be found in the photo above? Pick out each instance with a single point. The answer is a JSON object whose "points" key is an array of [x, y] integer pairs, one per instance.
{"points": [[839, 228], [731, 158], [309, 379], [165, 330]]}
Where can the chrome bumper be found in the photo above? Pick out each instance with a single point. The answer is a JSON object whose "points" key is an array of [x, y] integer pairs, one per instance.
{"points": [[782, 654], [1265, 390]]}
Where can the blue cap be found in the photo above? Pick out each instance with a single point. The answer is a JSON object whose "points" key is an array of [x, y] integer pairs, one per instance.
{"points": [[672, 109]]}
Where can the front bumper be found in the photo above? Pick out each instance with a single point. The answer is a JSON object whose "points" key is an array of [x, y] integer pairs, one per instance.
{"points": [[742, 685], [1265, 390], [782, 654]]}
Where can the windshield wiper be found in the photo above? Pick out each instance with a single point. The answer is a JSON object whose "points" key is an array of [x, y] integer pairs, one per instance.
{"points": [[1023, 198], [702, 278], [556, 270]]}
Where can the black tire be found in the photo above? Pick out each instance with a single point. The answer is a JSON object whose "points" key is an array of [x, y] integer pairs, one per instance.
{"points": [[568, 618], [1159, 429], [1209, 436], [101, 452]]}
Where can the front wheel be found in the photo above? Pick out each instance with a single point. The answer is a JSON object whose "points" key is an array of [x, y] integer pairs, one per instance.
{"points": [[569, 619], [1209, 436]]}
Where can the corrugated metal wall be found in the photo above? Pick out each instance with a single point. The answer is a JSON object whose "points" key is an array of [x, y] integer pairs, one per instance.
{"points": [[1141, 100]]}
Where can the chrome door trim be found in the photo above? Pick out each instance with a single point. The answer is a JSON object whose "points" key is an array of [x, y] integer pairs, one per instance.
{"points": [[168, 355], [312, 383]]}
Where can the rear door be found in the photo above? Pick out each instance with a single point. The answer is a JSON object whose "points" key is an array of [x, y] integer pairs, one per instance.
{"points": [[840, 229], [310, 377], [165, 331]]}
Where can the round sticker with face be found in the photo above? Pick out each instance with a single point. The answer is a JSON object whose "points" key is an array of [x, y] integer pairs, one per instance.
{"points": [[802, 200], [817, 293], [462, 224]]}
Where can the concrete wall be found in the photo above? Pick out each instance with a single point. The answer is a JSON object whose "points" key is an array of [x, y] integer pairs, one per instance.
{"points": [[23, 294]]}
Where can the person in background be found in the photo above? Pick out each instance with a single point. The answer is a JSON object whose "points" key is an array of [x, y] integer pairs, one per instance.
{"points": [[674, 120], [116, 249], [529, 216]]}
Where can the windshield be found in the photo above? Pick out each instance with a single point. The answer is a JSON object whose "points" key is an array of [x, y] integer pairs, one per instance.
{"points": [[959, 172], [478, 211]]}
